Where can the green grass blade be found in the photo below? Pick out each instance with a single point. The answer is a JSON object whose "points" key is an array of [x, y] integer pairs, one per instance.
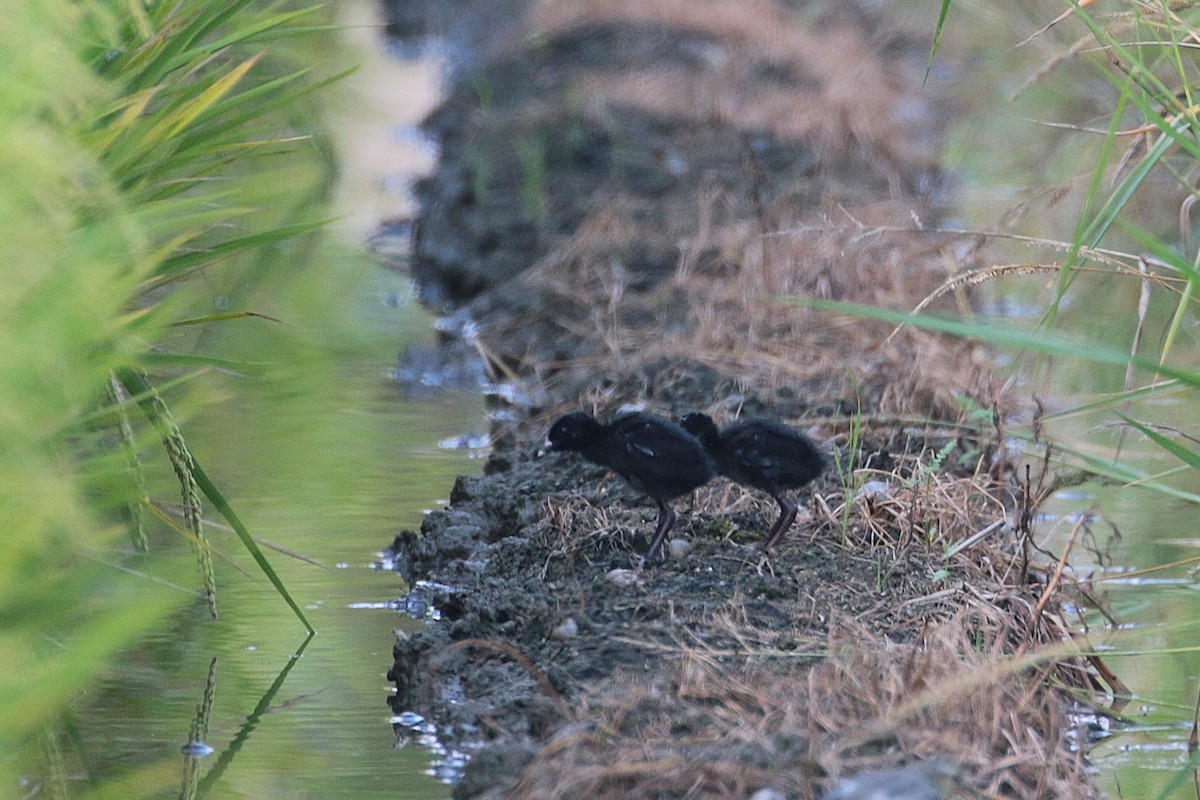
{"points": [[174, 43], [1189, 457], [137, 386], [266, 97], [184, 115], [1123, 474], [203, 26], [193, 361], [1119, 198], [1177, 319], [1075, 256], [937, 39], [1005, 335], [175, 117], [1162, 389], [247, 33], [218, 500], [229, 247], [1165, 253], [1183, 774]]}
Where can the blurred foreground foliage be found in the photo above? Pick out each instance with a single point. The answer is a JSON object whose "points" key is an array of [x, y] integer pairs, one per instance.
{"points": [[151, 151]]}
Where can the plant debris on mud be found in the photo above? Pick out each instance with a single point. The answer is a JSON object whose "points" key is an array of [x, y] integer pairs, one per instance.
{"points": [[626, 192]]}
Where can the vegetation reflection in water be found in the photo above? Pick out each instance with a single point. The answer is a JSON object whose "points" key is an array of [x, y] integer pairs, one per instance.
{"points": [[287, 716], [1125, 540]]}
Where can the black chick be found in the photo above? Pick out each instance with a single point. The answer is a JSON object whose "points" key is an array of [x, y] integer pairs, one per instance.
{"points": [[655, 455], [763, 454]]}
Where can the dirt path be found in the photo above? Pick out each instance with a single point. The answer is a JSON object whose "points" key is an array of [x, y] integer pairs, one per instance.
{"points": [[625, 192]]}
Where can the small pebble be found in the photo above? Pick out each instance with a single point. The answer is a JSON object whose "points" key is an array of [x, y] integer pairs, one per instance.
{"points": [[768, 794], [622, 577], [196, 749], [875, 490], [568, 630], [680, 547], [409, 719]]}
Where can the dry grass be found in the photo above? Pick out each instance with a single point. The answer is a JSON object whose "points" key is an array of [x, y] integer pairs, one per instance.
{"points": [[863, 158], [738, 325], [779, 673], [841, 91], [703, 730]]}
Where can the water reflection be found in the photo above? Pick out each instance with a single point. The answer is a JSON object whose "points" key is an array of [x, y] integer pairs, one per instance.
{"points": [[193, 786], [328, 466], [1135, 560]]}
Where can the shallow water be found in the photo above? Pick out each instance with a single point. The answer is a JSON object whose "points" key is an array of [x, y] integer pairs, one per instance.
{"points": [[1153, 647], [283, 725]]}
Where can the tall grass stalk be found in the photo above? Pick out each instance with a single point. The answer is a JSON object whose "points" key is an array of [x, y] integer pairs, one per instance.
{"points": [[1149, 152]]}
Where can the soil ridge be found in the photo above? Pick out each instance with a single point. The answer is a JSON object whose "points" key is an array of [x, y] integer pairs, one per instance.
{"points": [[625, 192]]}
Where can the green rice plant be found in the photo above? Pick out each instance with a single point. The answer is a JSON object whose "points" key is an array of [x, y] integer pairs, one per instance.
{"points": [[68, 249], [143, 145], [201, 114], [938, 29]]}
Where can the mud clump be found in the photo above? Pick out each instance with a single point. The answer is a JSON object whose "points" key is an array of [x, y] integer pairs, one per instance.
{"points": [[642, 203]]}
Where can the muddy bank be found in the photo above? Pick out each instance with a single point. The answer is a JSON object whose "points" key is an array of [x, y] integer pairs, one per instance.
{"points": [[622, 183], [549, 625], [634, 203]]}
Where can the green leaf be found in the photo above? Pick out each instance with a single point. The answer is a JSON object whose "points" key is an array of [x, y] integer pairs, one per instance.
{"points": [[217, 252], [1002, 334], [1189, 457], [937, 39]]}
